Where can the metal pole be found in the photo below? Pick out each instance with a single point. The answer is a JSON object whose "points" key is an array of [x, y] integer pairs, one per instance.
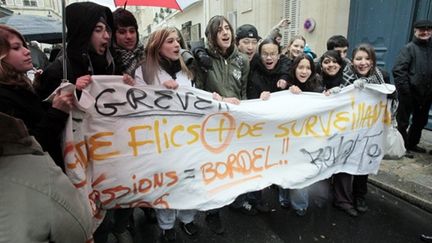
{"points": [[64, 41]]}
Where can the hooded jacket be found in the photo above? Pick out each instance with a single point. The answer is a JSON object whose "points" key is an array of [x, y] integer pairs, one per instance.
{"points": [[81, 18], [228, 77], [412, 70]]}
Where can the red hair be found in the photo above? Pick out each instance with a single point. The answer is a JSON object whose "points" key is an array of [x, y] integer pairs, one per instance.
{"points": [[8, 74]]}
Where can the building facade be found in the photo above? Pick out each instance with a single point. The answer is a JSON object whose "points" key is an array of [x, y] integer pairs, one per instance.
{"points": [[48, 8], [330, 17]]}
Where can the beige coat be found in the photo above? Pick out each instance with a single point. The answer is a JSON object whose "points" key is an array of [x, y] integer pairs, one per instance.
{"points": [[38, 203]]}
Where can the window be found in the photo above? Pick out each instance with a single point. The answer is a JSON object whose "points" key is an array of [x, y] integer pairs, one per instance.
{"points": [[2, 2], [291, 12], [30, 3]]}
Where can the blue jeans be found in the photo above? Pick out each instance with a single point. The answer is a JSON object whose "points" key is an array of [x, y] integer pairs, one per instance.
{"points": [[299, 198]]}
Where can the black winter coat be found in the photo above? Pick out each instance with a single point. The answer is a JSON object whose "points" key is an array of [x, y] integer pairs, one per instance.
{"points": [[45, 123], [332, 81], [261, 79], [412, 70], [313, 84]]}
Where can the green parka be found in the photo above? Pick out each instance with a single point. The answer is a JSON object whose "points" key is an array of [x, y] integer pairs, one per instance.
{"points": [[228, 77]]}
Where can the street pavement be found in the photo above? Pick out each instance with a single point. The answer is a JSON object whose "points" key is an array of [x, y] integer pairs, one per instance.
{"points": [[389, 219], [409, 178]]}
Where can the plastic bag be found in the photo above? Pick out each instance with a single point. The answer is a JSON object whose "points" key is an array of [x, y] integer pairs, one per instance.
{"points": [[394, 146]]}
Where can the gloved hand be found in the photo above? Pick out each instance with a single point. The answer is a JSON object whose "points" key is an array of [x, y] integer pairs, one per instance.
{"points": [[203, 59], [335, 90], [201, 56], [359, 83]]}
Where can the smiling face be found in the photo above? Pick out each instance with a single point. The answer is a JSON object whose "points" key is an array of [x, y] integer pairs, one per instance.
{"points": [[18, 56], [296, 48], [362, 63], [423, 33], [126, 37], [303, 71], [224, 36], [170, 48], [100, 38], [269, 55], [330, 66], [248, 46]]}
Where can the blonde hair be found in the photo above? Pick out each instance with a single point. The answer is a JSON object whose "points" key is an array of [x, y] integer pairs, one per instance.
{"points": [[291, 41], [153, 57], [8, 74]]}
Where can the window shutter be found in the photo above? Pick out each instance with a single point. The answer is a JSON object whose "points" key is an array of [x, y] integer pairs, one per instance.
{"points": [[40, 3], [291, 12], [9, 2], [18, 2]]}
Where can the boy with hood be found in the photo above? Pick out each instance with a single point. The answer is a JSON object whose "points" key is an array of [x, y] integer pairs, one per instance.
{"points": [[90, 27], [88, 40]]}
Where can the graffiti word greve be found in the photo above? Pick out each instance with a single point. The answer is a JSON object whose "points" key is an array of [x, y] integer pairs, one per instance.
{"points": [[339, 153], [158, 100]]}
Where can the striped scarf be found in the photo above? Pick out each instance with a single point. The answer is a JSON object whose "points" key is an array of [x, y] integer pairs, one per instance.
{"points": [[349, 76]]}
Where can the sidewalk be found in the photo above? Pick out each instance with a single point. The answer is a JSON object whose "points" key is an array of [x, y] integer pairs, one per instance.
{"points": [[410, 179]]}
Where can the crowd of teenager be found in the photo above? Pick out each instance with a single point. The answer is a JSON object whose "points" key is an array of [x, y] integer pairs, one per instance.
{"points": [[234, 65]]}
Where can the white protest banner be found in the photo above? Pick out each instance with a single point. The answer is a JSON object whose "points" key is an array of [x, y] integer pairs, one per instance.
{"points": [[148, 146]]}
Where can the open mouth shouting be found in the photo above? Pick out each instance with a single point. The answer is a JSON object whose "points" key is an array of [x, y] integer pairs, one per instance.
{"points": [[101, 48], [270, 64], [226, 40], [303, 77]]}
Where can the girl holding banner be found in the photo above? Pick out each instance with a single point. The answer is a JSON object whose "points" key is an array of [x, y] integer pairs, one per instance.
{"points": [[363, 70], [331, 64], [165, 66], [269, 73], [303, 78]]}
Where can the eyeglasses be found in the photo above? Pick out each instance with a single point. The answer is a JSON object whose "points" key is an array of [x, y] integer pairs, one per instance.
{"points": [[272, 55]]}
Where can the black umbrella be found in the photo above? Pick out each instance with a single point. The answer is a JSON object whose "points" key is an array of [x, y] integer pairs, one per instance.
{"points": [[38, 28]]}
